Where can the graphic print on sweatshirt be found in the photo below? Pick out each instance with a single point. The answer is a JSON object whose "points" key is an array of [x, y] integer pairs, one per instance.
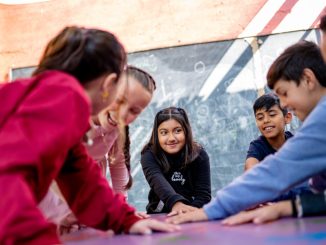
{"points": [[177, 176]]}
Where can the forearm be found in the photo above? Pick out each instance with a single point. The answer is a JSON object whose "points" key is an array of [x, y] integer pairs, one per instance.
{"points": [[250, 163], [119, 176]]}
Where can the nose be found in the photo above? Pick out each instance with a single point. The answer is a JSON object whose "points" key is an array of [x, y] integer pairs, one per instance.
{"points": [[266, 119], [171, 137], [123, 115]]}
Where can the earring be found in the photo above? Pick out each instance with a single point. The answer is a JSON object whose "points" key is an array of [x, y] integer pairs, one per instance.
{"points": [[105, 95]]}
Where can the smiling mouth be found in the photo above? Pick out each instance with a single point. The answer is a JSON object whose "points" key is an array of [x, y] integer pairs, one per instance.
{"points": [[111, 121], [269, 128]]}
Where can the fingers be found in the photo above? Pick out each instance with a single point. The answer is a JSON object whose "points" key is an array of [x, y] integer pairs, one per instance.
{"points": [[181, 211], [197, 215], [145, 227], [143, 215], [162, 226], [179, 219], [243, 217], [68, 229], [258, 216], [144, 231]]}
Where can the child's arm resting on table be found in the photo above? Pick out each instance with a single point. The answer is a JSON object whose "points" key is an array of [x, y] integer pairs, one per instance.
{"points": [[301, 206], [261, 215]]}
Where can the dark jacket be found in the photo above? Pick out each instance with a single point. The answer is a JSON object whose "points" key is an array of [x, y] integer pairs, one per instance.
{"points": [[190, 185]]}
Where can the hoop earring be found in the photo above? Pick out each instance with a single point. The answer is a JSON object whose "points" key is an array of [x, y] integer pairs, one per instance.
{"points": [[105, 95]]}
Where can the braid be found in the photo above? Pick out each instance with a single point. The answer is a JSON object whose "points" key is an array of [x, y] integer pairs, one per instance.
{"points": [[126, 152]]}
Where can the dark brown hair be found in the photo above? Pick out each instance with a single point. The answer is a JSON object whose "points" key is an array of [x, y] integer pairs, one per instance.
{"points": [[83, 53], [291, 63], [191, 148]]}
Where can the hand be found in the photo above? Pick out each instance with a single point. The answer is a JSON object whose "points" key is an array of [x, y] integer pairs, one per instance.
{"points": [[146, 226], [179, 208], [69, 224], [195, 216], [142, 215], [261, 215]]}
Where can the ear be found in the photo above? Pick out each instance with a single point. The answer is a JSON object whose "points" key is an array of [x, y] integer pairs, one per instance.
{"points": [[288, 117], [309, 79], [109, 82]]}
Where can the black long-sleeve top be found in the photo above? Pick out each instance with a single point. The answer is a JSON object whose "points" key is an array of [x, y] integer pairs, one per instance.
{"points": [[190, 185]]}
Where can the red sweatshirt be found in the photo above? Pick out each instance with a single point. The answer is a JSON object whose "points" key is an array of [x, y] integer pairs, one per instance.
{"points": [[42, 120]]}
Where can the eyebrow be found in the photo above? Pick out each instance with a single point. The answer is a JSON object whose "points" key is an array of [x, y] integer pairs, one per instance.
{"points": [[272, 110], [259, 114]]}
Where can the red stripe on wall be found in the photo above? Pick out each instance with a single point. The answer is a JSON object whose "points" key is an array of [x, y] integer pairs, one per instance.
{"points": [[278, 17]]}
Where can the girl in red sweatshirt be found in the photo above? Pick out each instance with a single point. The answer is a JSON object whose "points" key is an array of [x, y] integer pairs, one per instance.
{"points": [[40, 142]]}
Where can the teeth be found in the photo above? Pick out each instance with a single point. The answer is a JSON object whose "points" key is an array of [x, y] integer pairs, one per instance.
{"points": [[268, 128], [112, 122]]}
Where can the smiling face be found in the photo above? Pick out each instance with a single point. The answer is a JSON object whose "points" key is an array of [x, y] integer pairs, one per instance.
{"points": [[171, 136], [271, 122], [132, 99], [297, 98]]}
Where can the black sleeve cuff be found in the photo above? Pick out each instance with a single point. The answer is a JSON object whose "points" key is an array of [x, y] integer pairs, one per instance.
{"points": [[313, 204]]}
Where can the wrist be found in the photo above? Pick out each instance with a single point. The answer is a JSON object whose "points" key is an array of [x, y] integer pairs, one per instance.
{"points": [[285, 208], [177, 204], [202, 214]]}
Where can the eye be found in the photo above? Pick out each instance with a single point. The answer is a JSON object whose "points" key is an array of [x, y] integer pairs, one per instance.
{"points": [[178, 130], [272, 114], [282, 93], [135, 111], [259, 118], [163, 132]]}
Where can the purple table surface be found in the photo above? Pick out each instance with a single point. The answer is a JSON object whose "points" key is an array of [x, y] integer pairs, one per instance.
{"points": [[285, 231]]}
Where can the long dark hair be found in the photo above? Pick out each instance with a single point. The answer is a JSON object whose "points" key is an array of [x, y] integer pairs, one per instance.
{"points": [[84, 53], [148, 82], [191, 148]]}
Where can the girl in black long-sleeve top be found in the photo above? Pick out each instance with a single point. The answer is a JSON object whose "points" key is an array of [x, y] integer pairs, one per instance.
{"points": [[176, 168]]}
